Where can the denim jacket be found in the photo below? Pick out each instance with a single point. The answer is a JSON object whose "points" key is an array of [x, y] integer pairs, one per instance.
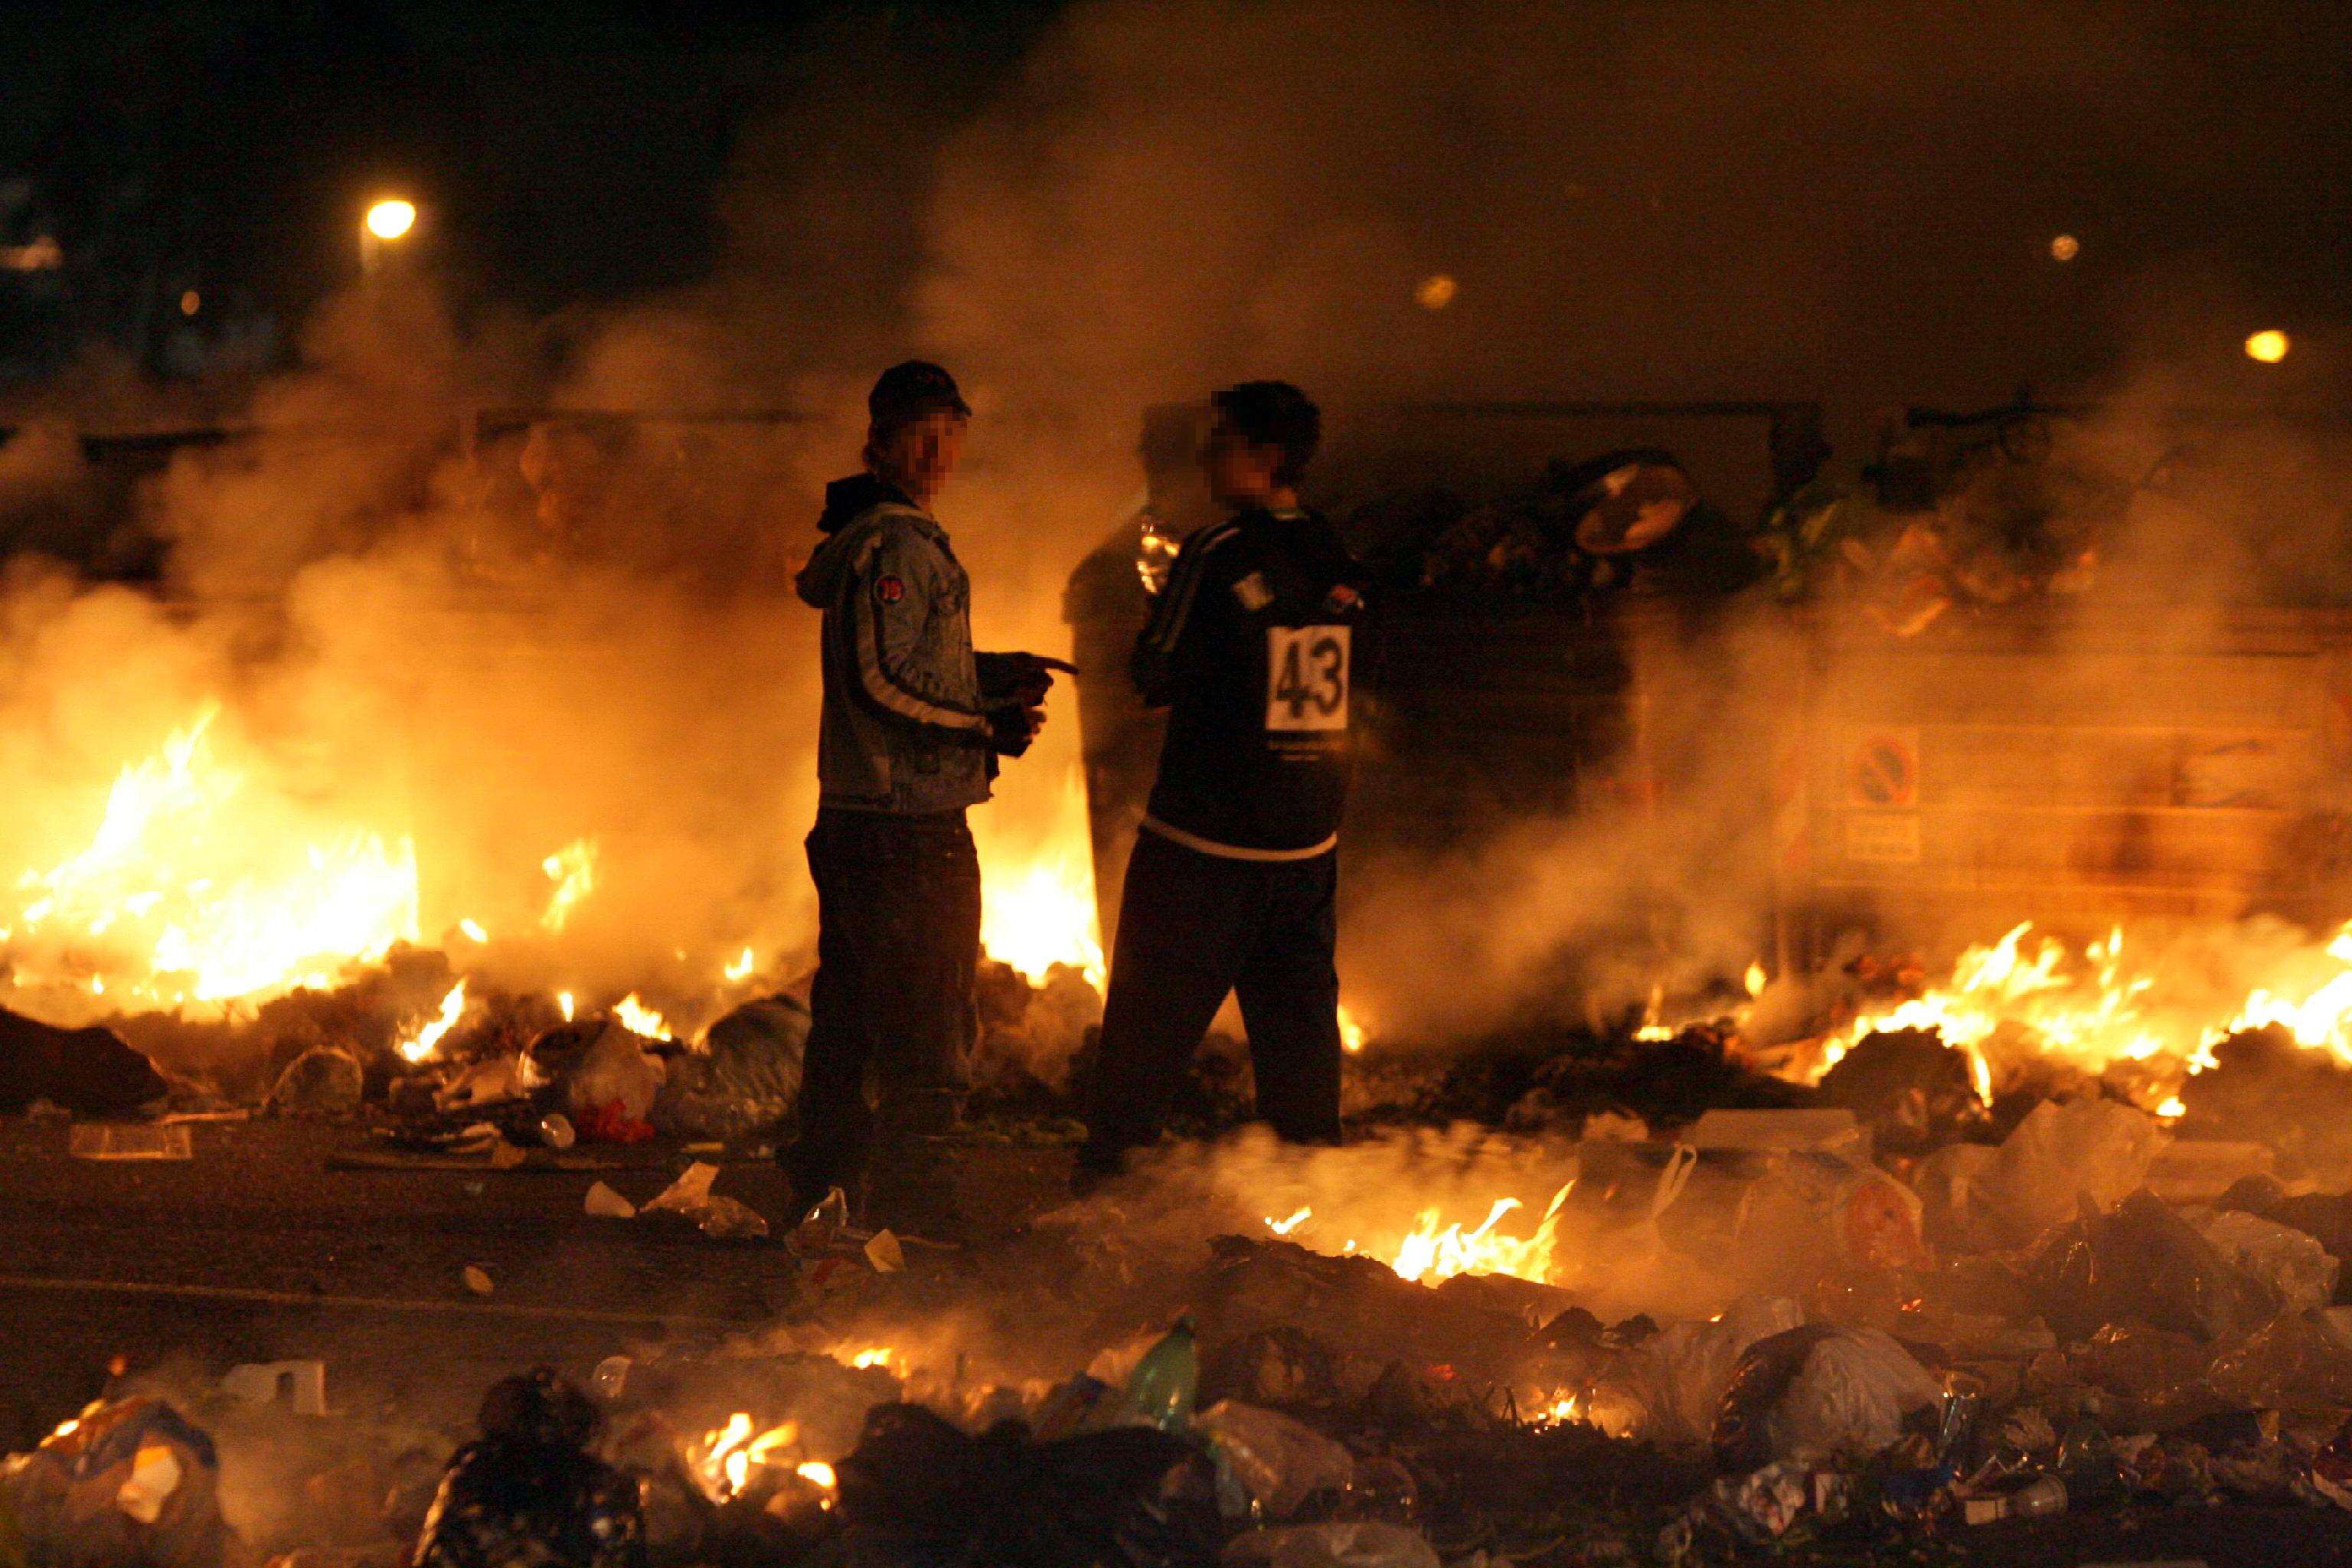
{"points": [[903, 730]]}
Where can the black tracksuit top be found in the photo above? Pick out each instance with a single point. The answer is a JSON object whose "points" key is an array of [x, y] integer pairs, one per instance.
{"points": [[1253, 648]]}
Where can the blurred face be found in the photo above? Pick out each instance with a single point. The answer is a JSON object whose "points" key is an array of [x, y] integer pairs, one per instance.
{"points": [[919, 455], [1239, 474]]}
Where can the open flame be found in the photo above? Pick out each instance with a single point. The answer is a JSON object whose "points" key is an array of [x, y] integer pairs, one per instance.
{"points": [[197, 887], [573, 869], [1436, 1249], [639, 1019], [420, 1046], [2099, 1009], [1037, 906]]}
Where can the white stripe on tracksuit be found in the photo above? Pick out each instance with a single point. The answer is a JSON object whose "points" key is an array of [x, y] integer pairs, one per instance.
{"points": [[875, 673]]}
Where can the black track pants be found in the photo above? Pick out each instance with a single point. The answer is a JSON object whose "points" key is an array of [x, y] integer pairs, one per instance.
{"points": [[1191, 928]]}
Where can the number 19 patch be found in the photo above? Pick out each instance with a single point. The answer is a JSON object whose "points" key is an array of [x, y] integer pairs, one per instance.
{"points": [[1308, 671]]}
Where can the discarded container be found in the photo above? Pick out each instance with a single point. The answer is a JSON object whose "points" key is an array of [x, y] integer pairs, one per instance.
{"points": [[603, 1203], [297, 1385], [129, 1141], [556, 1132], [1167, 1380], [611, 1376]]}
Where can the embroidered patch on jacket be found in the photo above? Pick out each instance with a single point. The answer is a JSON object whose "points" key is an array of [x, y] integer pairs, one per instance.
{"points": [[889, 590], [1253, 592]]}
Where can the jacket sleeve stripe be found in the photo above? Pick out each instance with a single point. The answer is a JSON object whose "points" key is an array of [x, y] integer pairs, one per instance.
{"points": [[877, 673], [1175, 606]]}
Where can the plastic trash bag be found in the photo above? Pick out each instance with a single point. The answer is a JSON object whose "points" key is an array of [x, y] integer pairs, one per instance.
{"points": [[2144, 1262], [322, 1081], [126, 1483], [2061, 1154], [2291, 1262], [529, 1494], [1332, 1546], [1669, 1387], [744, 1077], [1818, 1390], [615, 1078], [1279, 1462], [917, 1489]]}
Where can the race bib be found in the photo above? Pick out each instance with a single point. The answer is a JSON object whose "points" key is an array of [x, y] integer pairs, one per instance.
{"points": [[1307, 672]]}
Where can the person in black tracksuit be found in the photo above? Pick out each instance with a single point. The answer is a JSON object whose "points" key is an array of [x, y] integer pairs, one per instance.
{"points": [[1232, 887]]}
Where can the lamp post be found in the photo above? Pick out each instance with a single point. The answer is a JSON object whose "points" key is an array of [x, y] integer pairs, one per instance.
{"points": [[386, 221]]}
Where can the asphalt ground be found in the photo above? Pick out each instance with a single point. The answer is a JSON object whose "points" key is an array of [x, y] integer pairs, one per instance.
{"points": [[254, 1250]]}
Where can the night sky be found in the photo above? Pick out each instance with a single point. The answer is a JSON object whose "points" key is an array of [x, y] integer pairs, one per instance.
{"points": [[571, 155]]}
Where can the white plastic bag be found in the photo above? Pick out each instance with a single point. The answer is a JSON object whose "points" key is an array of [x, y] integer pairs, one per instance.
{"points": [[1668, 1387]]}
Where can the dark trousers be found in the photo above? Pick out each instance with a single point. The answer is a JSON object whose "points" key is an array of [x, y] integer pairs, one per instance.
{"points": [[1191, 928], [898, 949]]}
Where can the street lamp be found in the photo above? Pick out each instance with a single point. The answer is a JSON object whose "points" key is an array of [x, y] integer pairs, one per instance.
{"points": [[385, 222]]}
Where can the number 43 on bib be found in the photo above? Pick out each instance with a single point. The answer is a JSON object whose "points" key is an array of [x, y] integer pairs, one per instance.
{"points": [[1308, 671]]}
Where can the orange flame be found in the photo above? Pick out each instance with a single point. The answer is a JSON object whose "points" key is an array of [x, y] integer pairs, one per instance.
{"points": [[196, 888]]}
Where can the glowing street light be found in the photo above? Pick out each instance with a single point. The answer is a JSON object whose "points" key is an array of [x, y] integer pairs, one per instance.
{"points": [[386, 221], [2269, 346], [391, 218]]}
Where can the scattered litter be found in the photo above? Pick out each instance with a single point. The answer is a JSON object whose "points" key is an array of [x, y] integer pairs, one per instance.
{"points": [[528, 1490], [1818, 1390], [128, 1482], [299, 1387], [1368, 1545], [129, 1141], [610, 1377], [325, 1081], [614, 1081], [1831, 1130], [883, 1251], [1167, 1381], [2291, 1262], [1669, 1387], [720, 1218], [917, 1489], [603, 1203], [1277, 1463], [477, 1281], [90, 1072], [689, 1191]]}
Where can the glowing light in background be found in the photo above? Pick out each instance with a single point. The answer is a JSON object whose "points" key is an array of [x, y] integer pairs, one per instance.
{"points": [[2268, 346], [391, 218], [1435, 291], [2065, 248]]}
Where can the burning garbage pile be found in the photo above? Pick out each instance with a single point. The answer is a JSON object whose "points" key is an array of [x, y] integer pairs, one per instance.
{"points": [[216, 941]]}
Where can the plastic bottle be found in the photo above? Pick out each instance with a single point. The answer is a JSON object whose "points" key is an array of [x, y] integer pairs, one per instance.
{"points": [[1167, 1380]]}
